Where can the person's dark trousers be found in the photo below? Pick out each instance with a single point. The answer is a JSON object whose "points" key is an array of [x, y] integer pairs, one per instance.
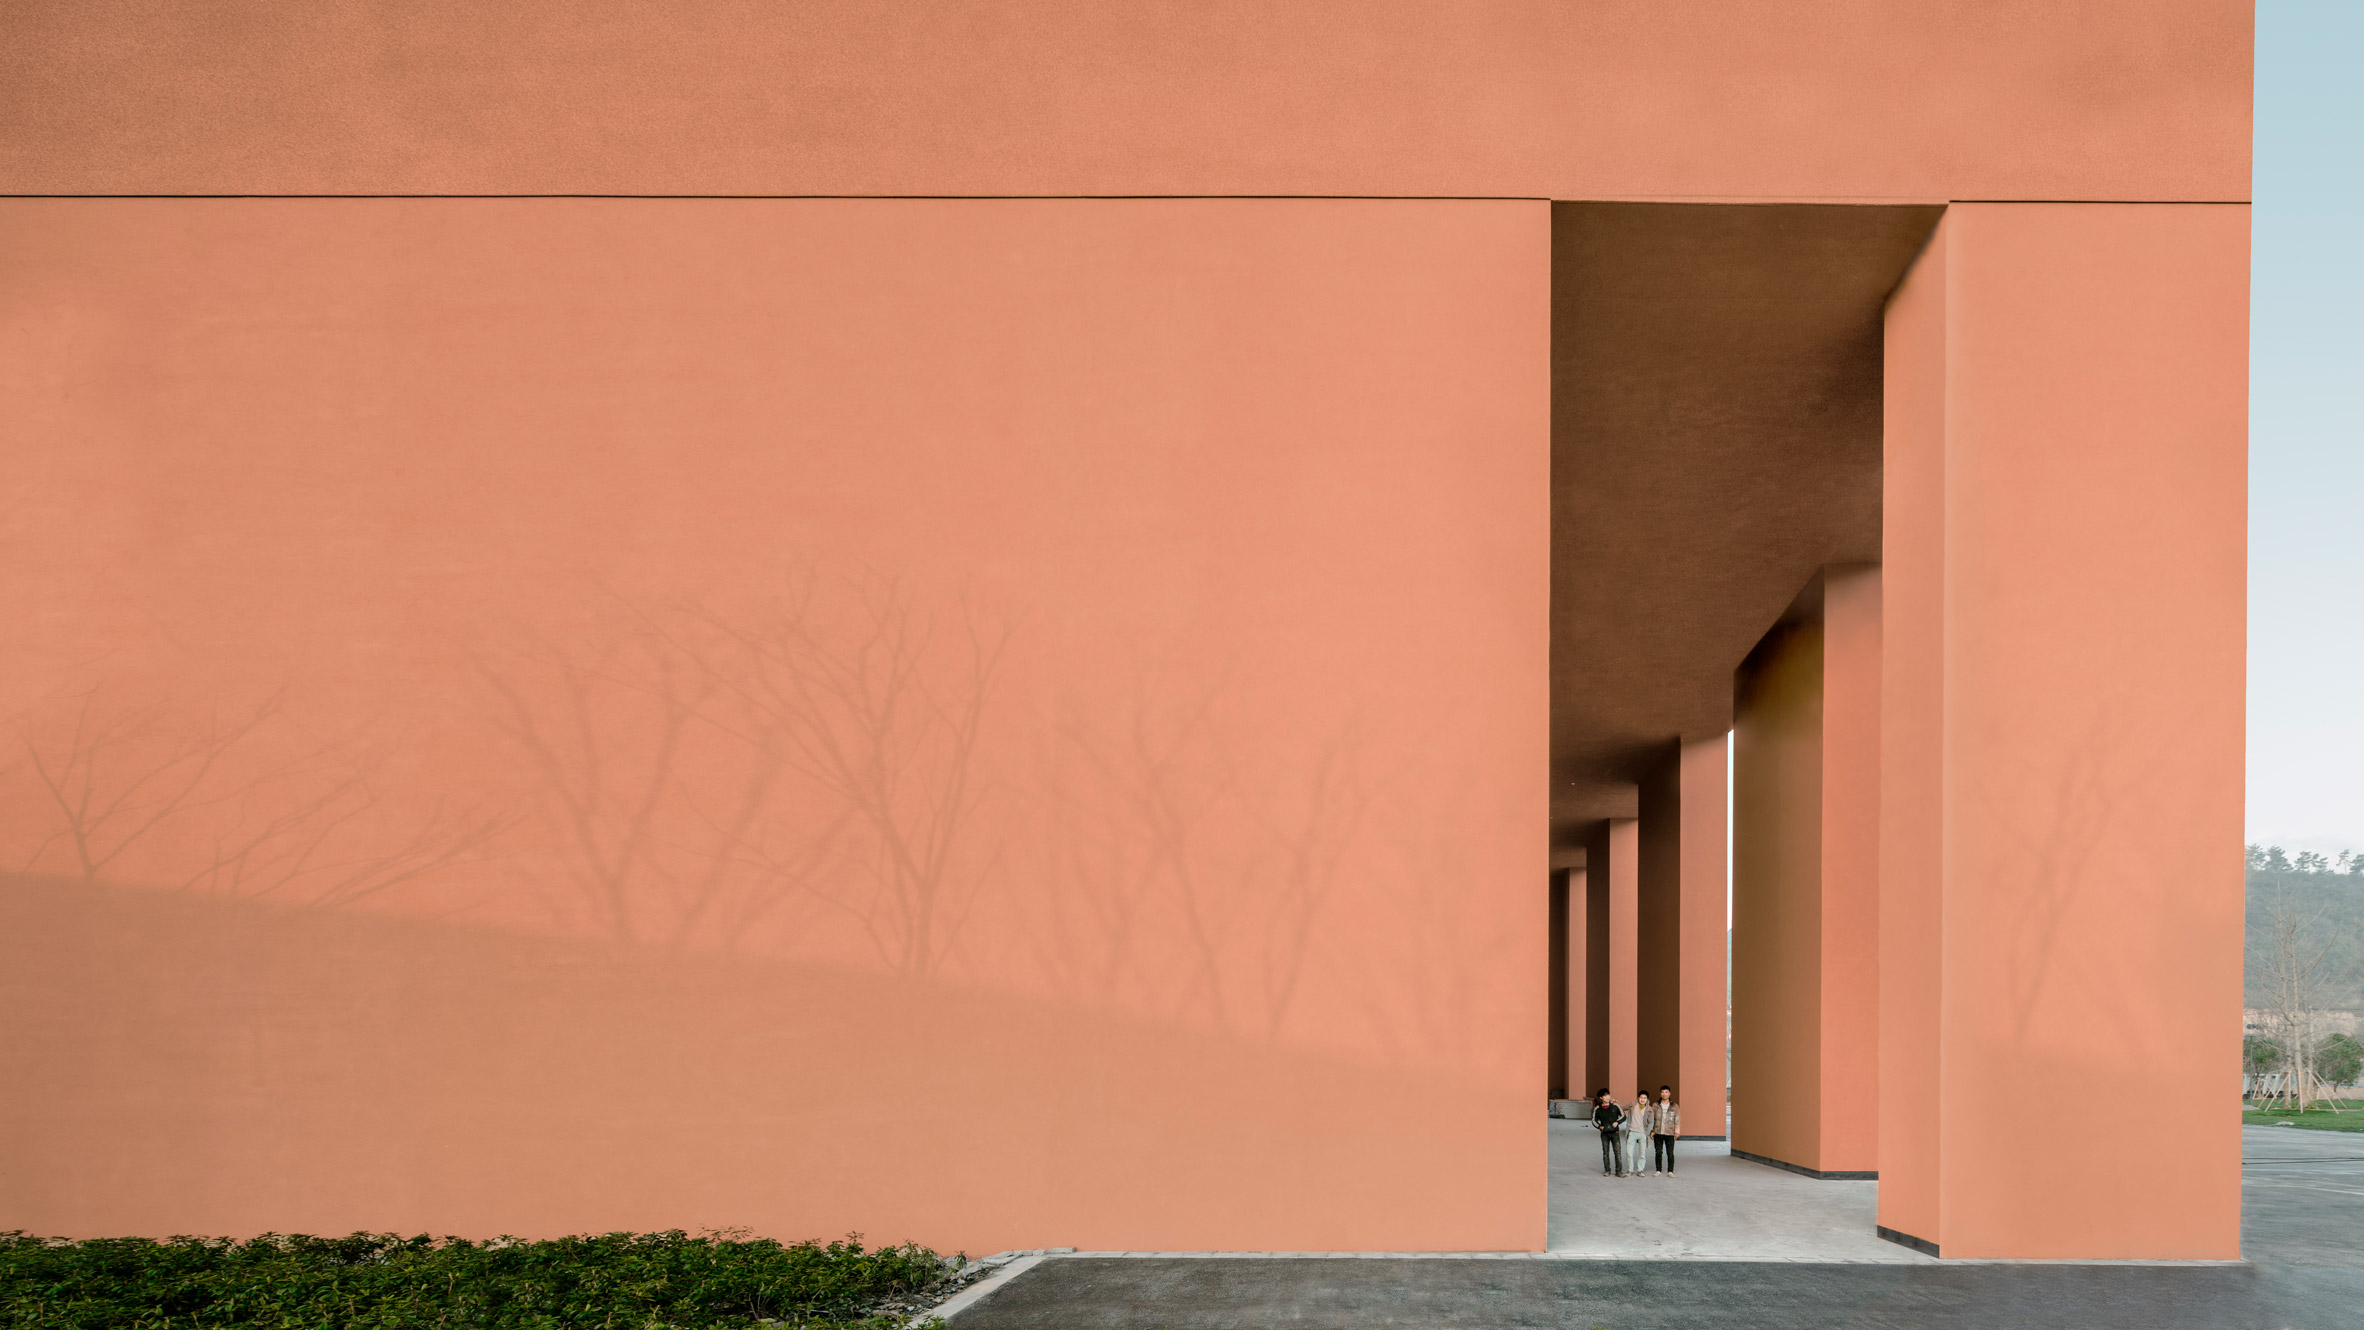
{"points": [[1613, 1152], [1662, 1152]]}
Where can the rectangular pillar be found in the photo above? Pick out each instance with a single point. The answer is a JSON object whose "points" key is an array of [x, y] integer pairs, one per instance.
{"points": [[1611, 887], [1576, 1029], [1851, 869], [1805, 956], [1679, 925], [2062, 729], [1556, 987]]}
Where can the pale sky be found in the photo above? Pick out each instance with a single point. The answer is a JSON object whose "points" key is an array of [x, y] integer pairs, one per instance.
{"points": [[2306, 468]]}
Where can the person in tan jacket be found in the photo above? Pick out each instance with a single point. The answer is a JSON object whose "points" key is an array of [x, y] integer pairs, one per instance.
{"points": [[1666, 1127]]}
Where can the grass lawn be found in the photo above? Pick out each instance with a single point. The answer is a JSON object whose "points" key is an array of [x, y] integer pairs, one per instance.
{"points": [[2349, 1118]]}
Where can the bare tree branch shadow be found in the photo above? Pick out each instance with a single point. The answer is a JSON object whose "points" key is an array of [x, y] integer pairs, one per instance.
{"points": [[1166, 830], [852, 692], [115, 778], [1152, 787], [2050, 867], [278, 813], [616, 732], [1429, 987], [1313, 849], [704, 769]]}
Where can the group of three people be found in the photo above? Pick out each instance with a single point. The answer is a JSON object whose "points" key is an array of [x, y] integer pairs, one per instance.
{"points": [[1640, 1139]]}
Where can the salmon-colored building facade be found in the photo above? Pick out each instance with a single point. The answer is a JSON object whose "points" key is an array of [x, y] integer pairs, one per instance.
{"points": [[1115, 626]]}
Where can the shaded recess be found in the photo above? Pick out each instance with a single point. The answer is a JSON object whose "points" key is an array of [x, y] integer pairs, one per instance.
{"points": [[1716, 378]]}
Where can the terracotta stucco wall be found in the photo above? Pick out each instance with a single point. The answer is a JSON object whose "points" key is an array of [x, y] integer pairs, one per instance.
{"points": [[1850, 1068], [1658, 926], [1579, 1018], [2062, 727], [1680, 929], [1777, 934], [1912, 774], [1805, 882], [1674, 99], [1612, 874], [948, 719]]}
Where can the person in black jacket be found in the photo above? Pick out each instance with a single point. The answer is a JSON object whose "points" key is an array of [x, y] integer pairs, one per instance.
{"points": [[1609, 1120]]}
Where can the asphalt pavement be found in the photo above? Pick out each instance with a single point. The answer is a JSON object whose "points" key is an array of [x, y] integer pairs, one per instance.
{"points": [[2302, 1234]]}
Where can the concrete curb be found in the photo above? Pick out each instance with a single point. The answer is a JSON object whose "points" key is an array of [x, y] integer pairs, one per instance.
{"points": [[1013, 1264]]}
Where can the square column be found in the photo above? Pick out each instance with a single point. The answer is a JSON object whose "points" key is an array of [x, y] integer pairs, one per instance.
{"points": [[1577, 1031], [1555, 1060], [1565, 1056], [1679, 965], [1611, 886], [1805, 888], [2061, 731]]}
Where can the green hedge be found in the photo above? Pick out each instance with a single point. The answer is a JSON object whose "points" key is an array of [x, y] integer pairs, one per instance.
{"points": [[623, 1281]]}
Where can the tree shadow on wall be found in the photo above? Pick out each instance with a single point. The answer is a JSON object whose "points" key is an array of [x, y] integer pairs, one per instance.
{"points": [[236, 801], [2051, 864], [704, 772], [1161, 825]]}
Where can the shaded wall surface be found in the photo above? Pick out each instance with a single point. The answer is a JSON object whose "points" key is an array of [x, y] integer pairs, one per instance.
{"points": [[1715, 442], [567, 714], [1777, 933], [1683, 1000], [1678, 99], [1805, 882], [1612, 878]]}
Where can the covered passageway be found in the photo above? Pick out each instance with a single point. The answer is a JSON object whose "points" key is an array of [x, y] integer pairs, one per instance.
{"points": [[1877, 532]]}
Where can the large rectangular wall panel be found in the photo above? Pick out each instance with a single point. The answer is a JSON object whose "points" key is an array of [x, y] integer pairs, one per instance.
{"points": [[2095, 532], [996, 723], [2063, 727]]}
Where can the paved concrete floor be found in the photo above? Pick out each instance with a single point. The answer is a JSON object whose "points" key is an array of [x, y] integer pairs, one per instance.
{"points": [[1715, 1207], [2302, 1222]]}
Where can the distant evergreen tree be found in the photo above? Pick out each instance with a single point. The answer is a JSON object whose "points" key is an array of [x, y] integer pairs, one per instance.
{"points": [[2340, 1061]]}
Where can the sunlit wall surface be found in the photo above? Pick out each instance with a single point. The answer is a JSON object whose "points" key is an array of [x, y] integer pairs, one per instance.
{"points": [[996, 723], [566, 672]]}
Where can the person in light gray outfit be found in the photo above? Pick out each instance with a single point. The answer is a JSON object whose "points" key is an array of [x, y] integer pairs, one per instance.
{"points": [[1637, 1137]]}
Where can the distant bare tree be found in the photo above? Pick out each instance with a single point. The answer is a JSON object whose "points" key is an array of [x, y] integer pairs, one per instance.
{"points": [[2295, 958]]}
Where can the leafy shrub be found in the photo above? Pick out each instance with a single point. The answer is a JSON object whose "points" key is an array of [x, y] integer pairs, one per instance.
{"points": [[2259, 1055], [2340, 1060], [371, 1281]]}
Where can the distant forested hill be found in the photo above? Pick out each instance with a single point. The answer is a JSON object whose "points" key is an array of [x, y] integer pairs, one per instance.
{"points": [[2332, 887]]}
